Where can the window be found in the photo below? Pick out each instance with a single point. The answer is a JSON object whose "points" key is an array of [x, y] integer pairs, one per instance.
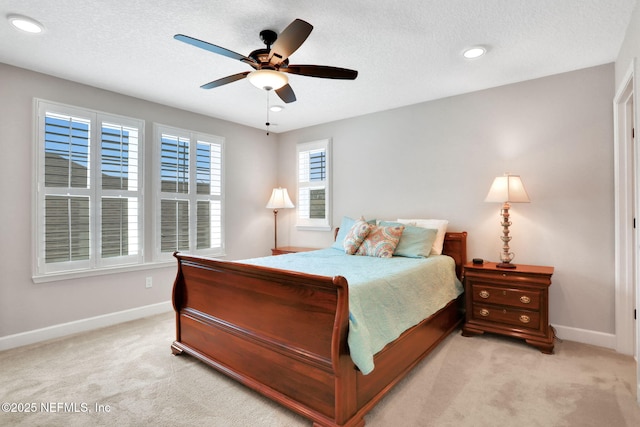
{"points": [[88, 207], [189, 200], [314, 190]]}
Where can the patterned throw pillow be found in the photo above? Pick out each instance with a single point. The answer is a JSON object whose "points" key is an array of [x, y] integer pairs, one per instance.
{"points": [[356, 235], [381, 241]]}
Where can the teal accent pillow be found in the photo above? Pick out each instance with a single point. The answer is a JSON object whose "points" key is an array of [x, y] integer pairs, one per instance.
{"points": [[345, 226], [415, 242]]}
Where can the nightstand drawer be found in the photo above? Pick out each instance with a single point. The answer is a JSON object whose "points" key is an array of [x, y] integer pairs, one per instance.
{"points": [[483, 293], [506, 315]]}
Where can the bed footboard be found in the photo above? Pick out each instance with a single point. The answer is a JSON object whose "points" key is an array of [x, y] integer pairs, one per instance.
{"points": [[281, 333]]}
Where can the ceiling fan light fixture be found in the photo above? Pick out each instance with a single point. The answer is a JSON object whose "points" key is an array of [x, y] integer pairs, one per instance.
{"points": [[474, 52], [276, 108], [26, 24], [268, 79]]}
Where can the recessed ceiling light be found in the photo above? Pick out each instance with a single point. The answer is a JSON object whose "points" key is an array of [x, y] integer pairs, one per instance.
{"points": [[474, 52], [276, 108], [26, 24]]}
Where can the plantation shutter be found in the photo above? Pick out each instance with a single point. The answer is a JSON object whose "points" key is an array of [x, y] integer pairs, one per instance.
{"points": [[88, 204], [67, 210], [209, 193], [313, 185], [120, 185], [191, 192], [174, 180]]}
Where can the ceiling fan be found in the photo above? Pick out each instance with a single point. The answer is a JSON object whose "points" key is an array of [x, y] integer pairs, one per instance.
{"points": [[271, 63]]}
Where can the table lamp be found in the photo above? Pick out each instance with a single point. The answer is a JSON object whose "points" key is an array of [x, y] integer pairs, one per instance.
{"points": [[507, 189]]}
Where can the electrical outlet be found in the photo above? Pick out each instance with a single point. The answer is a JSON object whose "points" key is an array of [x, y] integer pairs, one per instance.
{"points": [[148, 282]]}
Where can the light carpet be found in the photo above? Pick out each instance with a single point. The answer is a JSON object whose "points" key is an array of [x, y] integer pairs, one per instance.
{"points": [[125, 375]]}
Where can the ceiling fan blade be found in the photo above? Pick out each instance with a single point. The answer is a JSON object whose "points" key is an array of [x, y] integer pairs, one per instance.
{"points": [[213, 48], [286, 94], [225, 80], [322, 71], [289, 40]]}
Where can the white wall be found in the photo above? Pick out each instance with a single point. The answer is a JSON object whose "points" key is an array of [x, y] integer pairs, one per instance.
{"points": [[26, 306], [438, 159]]}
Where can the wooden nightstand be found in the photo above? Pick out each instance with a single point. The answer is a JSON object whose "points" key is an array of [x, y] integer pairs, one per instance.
{"points": [[290, 250], [512, 302]]}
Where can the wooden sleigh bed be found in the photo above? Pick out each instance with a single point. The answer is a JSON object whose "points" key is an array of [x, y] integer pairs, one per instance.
{"points": [[284, 334]]}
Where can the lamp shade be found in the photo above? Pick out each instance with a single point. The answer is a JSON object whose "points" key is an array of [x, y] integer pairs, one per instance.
{"points": [[279, 199], [268, 79], [507, 188]]}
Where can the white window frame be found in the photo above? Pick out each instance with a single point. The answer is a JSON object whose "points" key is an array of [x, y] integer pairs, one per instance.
{"points": [[302, 221], [95, 264], [191, 196]]}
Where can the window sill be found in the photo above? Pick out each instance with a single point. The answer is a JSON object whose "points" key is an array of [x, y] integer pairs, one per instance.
{"points": [[66, 275], [314, 227]]}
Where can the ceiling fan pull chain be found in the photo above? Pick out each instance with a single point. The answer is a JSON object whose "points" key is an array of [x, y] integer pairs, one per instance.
{"points": [[267, 111]]}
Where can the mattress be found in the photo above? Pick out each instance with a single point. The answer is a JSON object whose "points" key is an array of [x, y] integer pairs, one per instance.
{"points": [[386, 295]]}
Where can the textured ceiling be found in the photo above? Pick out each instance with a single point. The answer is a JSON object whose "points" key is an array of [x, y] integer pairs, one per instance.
{"points": [[405, 52]]}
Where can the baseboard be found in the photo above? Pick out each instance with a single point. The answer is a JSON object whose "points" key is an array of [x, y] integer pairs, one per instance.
{"points": [[63, 329], [585, 336]]}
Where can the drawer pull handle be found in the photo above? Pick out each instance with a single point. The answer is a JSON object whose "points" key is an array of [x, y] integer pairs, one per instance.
{"points": [[525, 319], [525, 299], [484, 312], [484, 294]]}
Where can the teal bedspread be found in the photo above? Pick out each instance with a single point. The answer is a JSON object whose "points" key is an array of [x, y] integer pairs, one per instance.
{"points": [[386, 295]]}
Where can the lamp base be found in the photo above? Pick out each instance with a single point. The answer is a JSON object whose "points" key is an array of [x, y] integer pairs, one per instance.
{"points": [[505, 265]]}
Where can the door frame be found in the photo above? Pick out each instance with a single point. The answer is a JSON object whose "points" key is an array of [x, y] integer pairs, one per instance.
{"points": [[624, 177], [627, 198]]}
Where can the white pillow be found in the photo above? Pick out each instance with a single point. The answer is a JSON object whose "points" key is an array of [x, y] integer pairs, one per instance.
{"points": [[438, 224]]}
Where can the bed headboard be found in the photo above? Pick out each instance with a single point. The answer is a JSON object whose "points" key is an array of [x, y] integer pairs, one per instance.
{"points": [[455, 246]]}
